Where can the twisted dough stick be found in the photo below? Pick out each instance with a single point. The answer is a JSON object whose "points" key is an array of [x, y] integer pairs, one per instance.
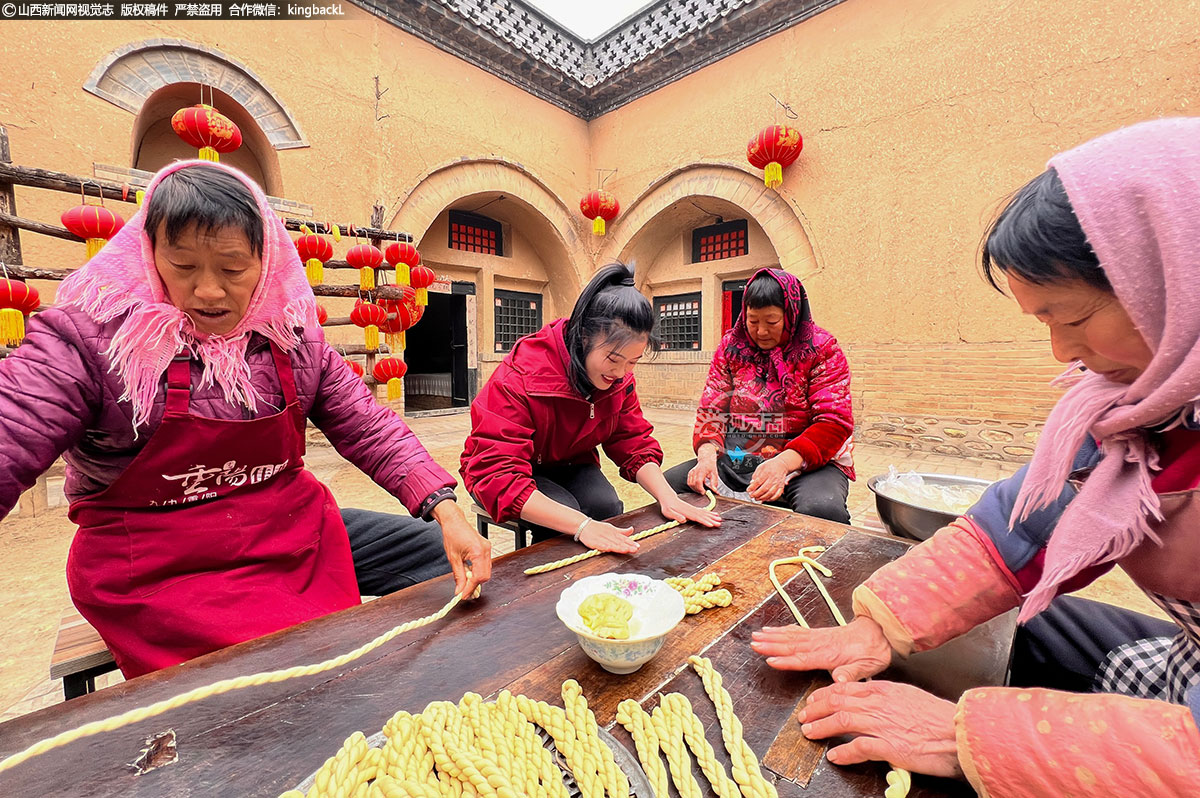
{"points": [[223, 686], [543, 778], [556, 724], [693, 731], [586, 731], [635, 720], [746, 771], [389, 787], [670, 738], [550, 566], [706, 601]]}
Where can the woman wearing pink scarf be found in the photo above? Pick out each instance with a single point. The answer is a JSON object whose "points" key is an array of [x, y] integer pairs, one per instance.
{"points": [[1104, 248], [175, 375]]}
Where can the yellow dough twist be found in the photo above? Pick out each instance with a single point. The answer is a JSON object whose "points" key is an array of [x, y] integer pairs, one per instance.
{"points": [[693, 732], [588, 733], [223, 686], [746, 771], [444, 732], [635, 720], [701, 585], [560, 729], [706, 601], [550, 566], [670, 739], [390, 787], [542, 776]]}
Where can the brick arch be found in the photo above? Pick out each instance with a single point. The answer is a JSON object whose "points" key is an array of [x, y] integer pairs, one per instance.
{"points": [[444, 185], [778, 215], [127, 77]]}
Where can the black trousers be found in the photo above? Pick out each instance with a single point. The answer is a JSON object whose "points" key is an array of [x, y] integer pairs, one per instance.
{"points": [[1063, 647], [821, 493], [580, 487], [392, 552]]}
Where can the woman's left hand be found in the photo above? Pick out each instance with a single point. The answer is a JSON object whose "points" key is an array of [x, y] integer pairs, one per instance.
{"points": [[890, 722], [465, 549], [770, 477], [677, 509]]}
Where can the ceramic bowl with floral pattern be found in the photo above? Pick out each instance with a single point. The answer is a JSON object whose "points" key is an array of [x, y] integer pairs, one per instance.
{"points": [[657, 609]]}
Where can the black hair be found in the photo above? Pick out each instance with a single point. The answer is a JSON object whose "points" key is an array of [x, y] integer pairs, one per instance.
{"points": [[609, 311], [207, 197], [1038, 238], [764, 291]]}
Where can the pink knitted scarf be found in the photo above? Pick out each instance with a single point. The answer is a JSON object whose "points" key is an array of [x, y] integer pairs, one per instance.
{"points": [[1136, 192], [121, 280]]}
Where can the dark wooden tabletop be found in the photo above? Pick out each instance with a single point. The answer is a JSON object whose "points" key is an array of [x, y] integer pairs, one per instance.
{"points": [[264, 740]]}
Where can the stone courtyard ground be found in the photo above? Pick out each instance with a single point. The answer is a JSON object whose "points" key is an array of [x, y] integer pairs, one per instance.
{"points": [[33, 590]]}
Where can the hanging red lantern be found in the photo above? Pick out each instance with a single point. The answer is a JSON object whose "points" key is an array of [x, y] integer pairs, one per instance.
{"points": [[402, 256], [391, 370], [355, 366], [600, 206], [422, 277], [322, 314], [366, 259], [403, 313], [371, 318], [314, 251], [207, 129], [17, 300], [773, 149], [93, 223]]}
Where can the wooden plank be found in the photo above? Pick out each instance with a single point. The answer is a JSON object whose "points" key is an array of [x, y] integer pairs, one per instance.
{"points": [[793, 756], [77, 647]]}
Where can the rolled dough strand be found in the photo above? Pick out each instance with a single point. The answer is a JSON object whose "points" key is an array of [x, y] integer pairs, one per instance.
{"points": [[693, 732], [433, 721], [335, 768], [517, 732], [702, 585], [746, 770], [223, 686], [549, 776], [474, 712], [670, 739], [561, 730], [460, 762], [635, 720], [391, 787], [575, 704], [706, 601], [680, 583], [550, 566]]}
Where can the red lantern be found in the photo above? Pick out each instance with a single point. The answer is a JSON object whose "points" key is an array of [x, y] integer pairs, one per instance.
{"points": [[422, 277], [314, 251], [370, 317], [17, 300], [403, 313], [322, 314], [599, 206], [366, 259], [207, 129], [94, 223], [773, 149], [403, 256], [391, 370], [354, 365]]}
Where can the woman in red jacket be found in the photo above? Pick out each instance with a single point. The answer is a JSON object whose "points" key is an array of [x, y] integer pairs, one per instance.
{"points": [[559, 394]]}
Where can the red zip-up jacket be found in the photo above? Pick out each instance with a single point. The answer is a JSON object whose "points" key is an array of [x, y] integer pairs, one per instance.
{"points": [[529, 414]]}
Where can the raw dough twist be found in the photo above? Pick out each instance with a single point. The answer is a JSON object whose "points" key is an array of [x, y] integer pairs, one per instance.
{"points": [[746, 771], [670, 739], [706, 601], [693, 731], [635, 720], [586, 731]]}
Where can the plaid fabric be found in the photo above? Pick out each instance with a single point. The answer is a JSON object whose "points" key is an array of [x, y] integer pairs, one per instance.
{"points": [[1164, 668]]}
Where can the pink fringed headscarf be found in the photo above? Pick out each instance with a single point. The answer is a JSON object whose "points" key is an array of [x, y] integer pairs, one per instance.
{"points": [[122, 279], [1136, 193]]}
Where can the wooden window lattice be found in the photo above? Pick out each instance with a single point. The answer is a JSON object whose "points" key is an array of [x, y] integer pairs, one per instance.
{"points": [[717, 241], [517, 314], [678, 321], [470, 232]]}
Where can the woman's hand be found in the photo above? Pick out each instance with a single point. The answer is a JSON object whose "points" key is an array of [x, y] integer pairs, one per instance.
{"points": [[606, 537], [855, 651], [771, 476], [677, 509], [890, 722], [465, 549], [703, 475]]}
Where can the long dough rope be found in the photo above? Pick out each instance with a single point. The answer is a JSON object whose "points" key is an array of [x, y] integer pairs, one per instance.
{"points": [[640, 727], [899, 780], [550, 566], [744, 763], [566, 740], [693, 731], [587, 732], [217, 688], [670, 738]]}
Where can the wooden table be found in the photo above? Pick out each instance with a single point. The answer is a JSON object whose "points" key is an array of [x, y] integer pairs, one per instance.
{"points": [[263, 740]]}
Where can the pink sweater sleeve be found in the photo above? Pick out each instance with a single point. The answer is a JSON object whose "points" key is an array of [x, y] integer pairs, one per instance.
{"points": [[939, 590], [1035, 743]]}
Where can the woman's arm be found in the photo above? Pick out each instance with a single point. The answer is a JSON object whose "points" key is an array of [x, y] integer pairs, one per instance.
{"points": [[50, 392], [712, 414], [632, 443], [831, 415]]}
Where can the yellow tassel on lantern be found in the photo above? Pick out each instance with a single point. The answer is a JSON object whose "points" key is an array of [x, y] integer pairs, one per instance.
{"points": [[337, 232], [139, 196], [422, 296], [598, 225], [371, 337], [402, 274], [209, 154], [315, 271], [12, 326], [304, 231], [395, 389], [395, 342], [773, 175], [366, 279], [94, 245]]}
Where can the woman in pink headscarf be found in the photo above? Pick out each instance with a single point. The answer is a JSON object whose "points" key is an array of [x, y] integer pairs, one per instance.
{"points": [[1104, 248], [175, 375]]}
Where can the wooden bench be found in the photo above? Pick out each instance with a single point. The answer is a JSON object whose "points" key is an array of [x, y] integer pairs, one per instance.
{"points": [[483, 521], [79, 655]]}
